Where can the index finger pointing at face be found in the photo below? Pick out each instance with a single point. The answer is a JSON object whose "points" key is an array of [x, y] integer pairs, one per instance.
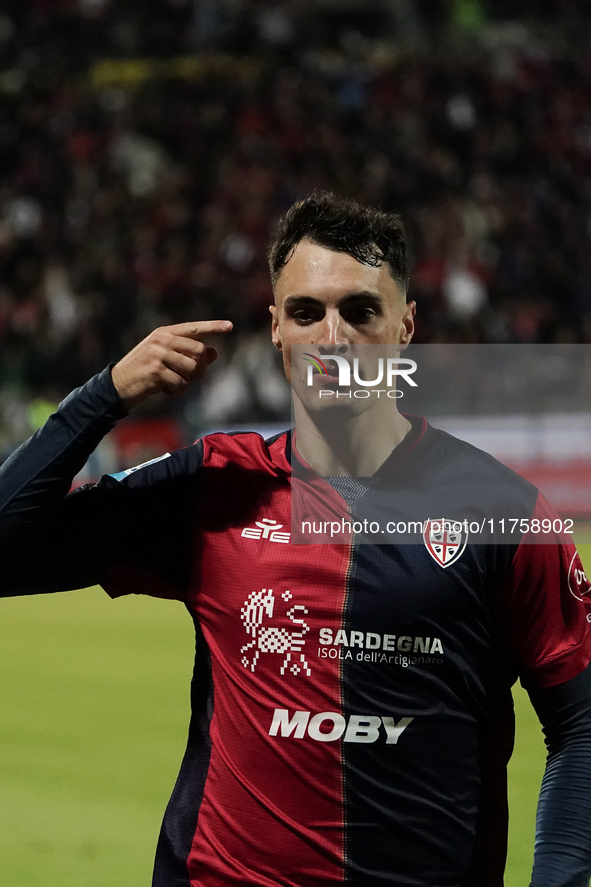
{"points": [[194, 329]]}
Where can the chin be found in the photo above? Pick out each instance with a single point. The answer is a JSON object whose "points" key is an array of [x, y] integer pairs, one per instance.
{"points": [[338, 408]]}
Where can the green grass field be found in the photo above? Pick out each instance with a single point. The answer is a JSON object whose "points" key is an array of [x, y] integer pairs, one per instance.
{"points": [[94, 712]]}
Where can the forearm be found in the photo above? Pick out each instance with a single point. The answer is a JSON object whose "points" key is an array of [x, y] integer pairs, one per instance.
{"points": [[563, 827], [36, 478]]}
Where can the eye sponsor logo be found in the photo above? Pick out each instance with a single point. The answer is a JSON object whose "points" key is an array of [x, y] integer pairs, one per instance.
{"points": [[329, 726], [266, 528], [257, 616], [445, 540]]}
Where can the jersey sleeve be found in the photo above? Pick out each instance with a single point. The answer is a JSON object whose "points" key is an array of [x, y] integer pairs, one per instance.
{"points": [[563, 825], [130, 532], [151, 510], [544, 608]]}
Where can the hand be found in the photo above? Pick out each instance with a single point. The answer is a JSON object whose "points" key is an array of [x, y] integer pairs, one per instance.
{"points": [[166, 360]]}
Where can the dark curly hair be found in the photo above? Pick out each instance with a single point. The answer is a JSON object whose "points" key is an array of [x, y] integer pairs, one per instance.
{"points": [[369, 235]]}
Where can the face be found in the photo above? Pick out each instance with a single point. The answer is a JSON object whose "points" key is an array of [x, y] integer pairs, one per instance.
{"points": [[331, 301]]}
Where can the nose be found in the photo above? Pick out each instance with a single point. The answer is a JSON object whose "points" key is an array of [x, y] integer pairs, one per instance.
{"points": [[333, 337]]}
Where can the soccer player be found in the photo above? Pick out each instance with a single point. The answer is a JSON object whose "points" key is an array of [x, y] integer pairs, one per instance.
{"points": [[352, 717]]}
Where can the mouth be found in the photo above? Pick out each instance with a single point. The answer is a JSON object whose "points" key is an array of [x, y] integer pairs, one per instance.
{"points": [[322, 380], [329, 377]]}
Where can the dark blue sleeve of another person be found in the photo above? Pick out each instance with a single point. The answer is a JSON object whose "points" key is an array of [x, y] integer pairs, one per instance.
{"points": [[563, 828]]}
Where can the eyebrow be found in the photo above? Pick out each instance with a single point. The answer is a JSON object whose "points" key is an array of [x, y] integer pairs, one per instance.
{"points": [[358, 295]]}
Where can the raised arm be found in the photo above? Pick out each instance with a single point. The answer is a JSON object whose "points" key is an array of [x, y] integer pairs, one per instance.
{"points": [[51, 540]]}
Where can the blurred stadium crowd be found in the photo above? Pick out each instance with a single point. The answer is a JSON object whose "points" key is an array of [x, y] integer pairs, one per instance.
{"points": [[147, 149]]}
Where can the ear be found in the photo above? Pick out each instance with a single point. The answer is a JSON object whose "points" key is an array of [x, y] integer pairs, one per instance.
{"points": [[408, 323], [275, 334]]}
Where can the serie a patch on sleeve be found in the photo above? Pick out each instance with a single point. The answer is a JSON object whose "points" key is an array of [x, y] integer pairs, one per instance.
{"points": [[121, 475]]}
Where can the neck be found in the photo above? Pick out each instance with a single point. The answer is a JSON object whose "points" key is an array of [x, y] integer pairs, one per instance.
{"points": [[355, 446]]}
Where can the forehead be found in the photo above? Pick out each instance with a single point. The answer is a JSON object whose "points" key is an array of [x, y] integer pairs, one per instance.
{"points": [[324, 274]]}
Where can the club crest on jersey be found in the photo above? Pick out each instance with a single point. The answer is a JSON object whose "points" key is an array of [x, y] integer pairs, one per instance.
{"points": [[445, 540]]}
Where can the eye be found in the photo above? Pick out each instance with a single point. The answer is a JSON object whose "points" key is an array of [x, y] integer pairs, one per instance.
{"points": [[305, 315], [359, 314]]}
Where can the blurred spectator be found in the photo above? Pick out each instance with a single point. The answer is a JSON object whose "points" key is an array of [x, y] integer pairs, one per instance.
{"points": [[137, 202]]}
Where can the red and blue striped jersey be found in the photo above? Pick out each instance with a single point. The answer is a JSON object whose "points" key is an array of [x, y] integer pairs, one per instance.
{"points": [[352, 711], [352, 717]]}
